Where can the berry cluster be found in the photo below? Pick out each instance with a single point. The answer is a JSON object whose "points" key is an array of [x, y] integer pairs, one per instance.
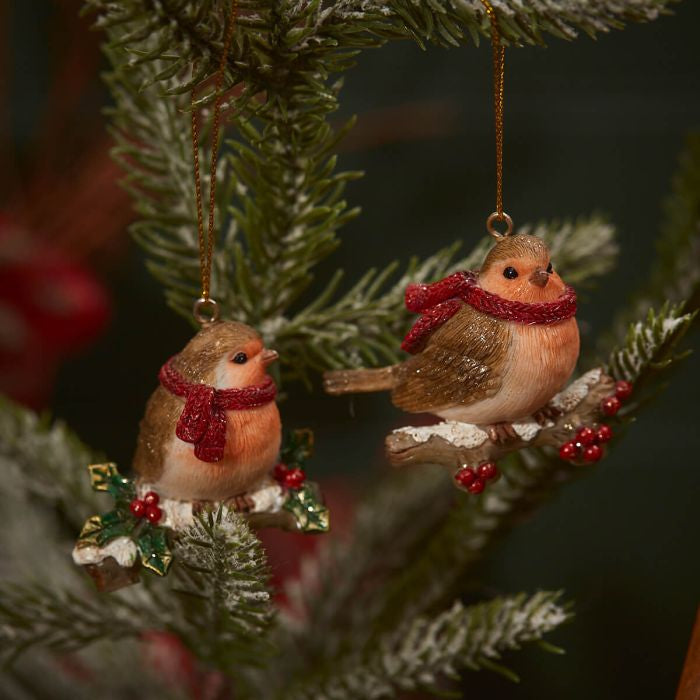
{"points": [[586, 445], [610, 405], [474, 480], [147, 507], [293, 478]]}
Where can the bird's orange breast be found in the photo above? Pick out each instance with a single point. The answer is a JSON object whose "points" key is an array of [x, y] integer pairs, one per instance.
{"points": [[542, 360], [539, 361], [252, 448]]}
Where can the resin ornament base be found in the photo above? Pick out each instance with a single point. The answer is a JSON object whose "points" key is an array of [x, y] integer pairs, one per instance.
{"points": [[454, 444], [115, 560]]}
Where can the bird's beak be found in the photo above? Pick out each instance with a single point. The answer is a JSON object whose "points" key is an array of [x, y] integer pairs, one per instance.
{"points": [[269, 356], [539, 277]]}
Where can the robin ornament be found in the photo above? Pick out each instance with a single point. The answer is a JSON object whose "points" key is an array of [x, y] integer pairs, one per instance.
{"points": [[211, 436], [490, 348], [490, 352]]}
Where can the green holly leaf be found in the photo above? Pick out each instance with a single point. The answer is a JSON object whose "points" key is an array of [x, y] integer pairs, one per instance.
{"points": [[106, 477], [298, 447], [308, 509], [153, 548], [100, 475], [100, 529]]}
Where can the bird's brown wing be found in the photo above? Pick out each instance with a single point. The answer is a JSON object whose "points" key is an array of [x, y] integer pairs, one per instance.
{"points": [[461, 364]]}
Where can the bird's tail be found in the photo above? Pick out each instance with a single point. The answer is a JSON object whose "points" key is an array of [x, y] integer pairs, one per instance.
{"points": [[356, 381]]}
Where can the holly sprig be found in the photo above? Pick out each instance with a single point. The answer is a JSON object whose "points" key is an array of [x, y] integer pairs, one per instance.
{"points": [[150, 539], [304, 499]]}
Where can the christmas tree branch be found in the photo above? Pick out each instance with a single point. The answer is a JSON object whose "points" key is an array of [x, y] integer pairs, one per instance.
{"points": [[221, 581], [421, 653], [532, 474], [46, 461], [280, 203], [36, 615], [332, 595]]}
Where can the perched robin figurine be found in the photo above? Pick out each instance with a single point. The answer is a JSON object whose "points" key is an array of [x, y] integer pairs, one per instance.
{"points": [[490, 347], [211, 429]]}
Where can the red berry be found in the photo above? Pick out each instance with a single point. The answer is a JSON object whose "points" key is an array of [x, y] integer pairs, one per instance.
{"points": [[137, 508], [151, 498], [465, 476], [623, 389], [568, 450], [592, 453], [604, 433], [586, 436], [477, 486], [610, 406], [294, 478], [280, 472], [153, 514], [487, 471]]}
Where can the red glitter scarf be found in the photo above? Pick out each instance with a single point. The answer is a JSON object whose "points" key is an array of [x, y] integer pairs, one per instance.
{"points": [[440, 301], [203, 418]]}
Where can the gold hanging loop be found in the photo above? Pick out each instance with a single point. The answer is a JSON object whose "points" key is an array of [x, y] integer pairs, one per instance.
{"points": [[205, 309], [498, 89]]}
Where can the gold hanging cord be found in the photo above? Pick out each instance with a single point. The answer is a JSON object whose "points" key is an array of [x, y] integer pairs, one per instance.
{"points": [[205, 308], [498, 73]]}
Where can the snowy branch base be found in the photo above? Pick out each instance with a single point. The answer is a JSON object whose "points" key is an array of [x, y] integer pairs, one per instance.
{"points": [[454, 444], [116, 564]]}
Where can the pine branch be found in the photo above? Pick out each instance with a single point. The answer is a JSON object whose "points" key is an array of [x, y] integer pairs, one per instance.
{"points": [[532, 474], [187, 33], [46, 461], [332, 596], [280, 201], [446, 22], [222, 577], [650, 343], [455, 542], [422, 652], [37, 615]]}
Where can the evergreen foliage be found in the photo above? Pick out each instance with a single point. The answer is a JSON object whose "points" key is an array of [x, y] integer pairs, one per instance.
{"points": [[222, 572], [384, 610], [421, 653], [280, 199]]}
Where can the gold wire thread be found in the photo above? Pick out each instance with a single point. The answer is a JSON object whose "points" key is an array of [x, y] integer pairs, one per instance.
{"points": [[206, 245], [499, 56]]}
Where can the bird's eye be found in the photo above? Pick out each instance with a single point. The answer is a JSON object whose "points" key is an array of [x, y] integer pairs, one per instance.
{"points": [[550, 269], [240, 358], [510, 273]]}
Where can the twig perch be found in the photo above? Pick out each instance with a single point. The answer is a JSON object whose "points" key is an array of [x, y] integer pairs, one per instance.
{"points": [[455, 444]]}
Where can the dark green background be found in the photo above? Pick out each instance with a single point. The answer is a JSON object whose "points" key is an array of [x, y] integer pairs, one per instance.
{"points": [[590, 126]]}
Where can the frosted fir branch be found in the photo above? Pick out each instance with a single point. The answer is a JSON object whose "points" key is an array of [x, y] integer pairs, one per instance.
{"points": [[446, 22], [278, 184], [222, 576], [422, 653], [532, 475], [37, 615], [45, 460], [650, 343], [336, 594], [190, 34]]}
